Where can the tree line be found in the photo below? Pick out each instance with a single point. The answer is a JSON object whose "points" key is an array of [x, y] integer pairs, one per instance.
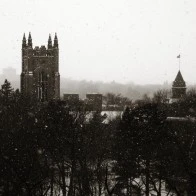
{"points": [[47, 149]]}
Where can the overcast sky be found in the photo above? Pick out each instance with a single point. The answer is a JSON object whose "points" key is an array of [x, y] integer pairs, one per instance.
{"points": [[106, 40]]}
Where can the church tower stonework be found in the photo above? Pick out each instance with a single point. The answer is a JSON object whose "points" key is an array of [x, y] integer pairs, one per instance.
{"points": [[40, 76]]}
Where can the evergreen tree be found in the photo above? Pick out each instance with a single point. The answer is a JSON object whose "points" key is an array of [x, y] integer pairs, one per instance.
{"points": [[6, 92]]}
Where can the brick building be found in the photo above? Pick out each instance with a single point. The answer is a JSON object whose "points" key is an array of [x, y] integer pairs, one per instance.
{"points": [[94, 102], [71, 98]]}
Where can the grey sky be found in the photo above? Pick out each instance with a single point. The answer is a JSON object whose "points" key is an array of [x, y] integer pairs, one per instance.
{"points": [[121, 40]]}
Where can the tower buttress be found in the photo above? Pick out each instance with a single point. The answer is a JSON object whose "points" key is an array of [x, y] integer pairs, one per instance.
{"points": [[57, 75]]}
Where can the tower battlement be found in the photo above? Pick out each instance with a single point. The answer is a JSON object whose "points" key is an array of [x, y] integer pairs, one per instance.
{"points": [[42, 51]]}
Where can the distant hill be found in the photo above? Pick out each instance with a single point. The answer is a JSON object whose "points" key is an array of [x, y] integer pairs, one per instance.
{"points": [[131, 90]]}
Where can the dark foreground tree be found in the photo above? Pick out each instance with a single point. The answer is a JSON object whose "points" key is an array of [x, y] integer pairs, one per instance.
{"points": [[137, 142]]}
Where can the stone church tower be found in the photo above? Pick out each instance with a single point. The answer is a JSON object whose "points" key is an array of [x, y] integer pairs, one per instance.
{"points": [[40, 76], [178, 87]]}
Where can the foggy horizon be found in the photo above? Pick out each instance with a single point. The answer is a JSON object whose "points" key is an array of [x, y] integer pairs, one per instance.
{"points": [[8, 73]]}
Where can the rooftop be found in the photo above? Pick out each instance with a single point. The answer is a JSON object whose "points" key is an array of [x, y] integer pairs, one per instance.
{"points": [[179, 81]]}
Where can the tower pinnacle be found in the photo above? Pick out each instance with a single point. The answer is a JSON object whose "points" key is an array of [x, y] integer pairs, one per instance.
{"points": [[56, 41], [30, 40], [49, 42], [24, 41]]}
